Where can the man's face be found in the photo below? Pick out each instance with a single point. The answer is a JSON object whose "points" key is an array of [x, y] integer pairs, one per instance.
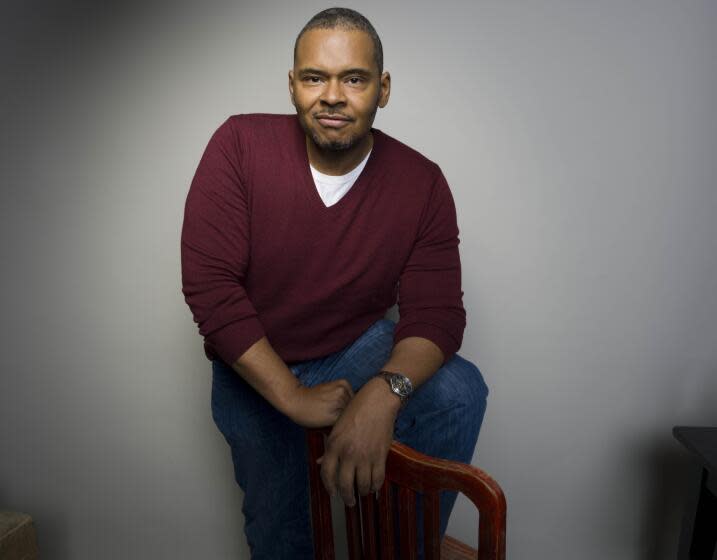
{"points": [[336, 88]]}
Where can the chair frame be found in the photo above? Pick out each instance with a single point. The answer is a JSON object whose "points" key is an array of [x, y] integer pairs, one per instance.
{"points": [[412, 472]]}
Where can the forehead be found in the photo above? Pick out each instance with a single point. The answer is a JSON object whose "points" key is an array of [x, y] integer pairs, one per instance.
{"points": [[333, 49]]}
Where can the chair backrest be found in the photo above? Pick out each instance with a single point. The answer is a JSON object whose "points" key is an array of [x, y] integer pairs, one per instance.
{"points": [[370, 526]]}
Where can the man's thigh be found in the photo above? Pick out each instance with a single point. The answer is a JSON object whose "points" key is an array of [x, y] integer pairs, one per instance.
{"points": [[358, 362], [270, 465], [444, 416], [457, 384]]}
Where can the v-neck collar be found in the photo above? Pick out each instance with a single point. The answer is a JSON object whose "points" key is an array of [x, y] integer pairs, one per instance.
{"points": [[307, 178]]}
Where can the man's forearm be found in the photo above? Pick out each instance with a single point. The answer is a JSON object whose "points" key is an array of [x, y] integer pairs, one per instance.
{"points": [[417, 358], [266, 372]]}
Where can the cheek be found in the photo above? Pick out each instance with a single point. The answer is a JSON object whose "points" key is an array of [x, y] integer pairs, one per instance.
{"points": [[365, 104], [305, 102], [366, 111]]}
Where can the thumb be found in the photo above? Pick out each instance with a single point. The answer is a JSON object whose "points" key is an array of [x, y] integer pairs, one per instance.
{"points": [[319, 460]]}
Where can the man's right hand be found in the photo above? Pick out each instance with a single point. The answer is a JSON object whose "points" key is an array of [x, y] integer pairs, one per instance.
{"points": [[321, 405], [310, 407]]}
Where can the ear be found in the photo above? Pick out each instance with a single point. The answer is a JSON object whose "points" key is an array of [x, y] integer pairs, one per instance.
{"points": [[291, 87], [385, 91]]}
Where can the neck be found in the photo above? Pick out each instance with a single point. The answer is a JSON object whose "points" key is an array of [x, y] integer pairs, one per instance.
{"points": [[338, 162]]}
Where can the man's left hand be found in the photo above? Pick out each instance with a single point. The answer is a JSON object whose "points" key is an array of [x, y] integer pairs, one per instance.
{"points": [[358, 444]]}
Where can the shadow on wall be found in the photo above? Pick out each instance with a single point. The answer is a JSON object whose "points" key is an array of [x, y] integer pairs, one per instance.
{"points": [[671, 471], [53, 530], [669, 475], [673, 481]]}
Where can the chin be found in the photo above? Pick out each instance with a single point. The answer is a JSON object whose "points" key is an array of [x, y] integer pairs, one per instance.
{"points": [[335, 145], [323, 143]]}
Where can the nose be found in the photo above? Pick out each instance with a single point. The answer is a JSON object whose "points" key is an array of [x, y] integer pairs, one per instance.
{"points": [[333, 93]]}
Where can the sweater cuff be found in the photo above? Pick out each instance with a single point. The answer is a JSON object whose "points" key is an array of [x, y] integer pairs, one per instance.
{"points": [[435, 334], [232, 340]]}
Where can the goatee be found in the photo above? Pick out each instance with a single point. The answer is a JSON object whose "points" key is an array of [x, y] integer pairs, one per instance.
{"points": [[333, 145]]}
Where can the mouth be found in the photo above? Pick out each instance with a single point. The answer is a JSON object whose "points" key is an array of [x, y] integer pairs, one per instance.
{"points": [[332, 120]]}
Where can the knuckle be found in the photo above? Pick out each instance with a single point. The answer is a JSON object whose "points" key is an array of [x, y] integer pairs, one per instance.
{"points": [[352, 451]]}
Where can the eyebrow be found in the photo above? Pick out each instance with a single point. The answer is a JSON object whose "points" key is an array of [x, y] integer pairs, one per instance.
{"points": [[360, 71]]}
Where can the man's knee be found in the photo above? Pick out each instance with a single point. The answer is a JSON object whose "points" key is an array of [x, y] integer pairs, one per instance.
{"points": [[462, 382]]}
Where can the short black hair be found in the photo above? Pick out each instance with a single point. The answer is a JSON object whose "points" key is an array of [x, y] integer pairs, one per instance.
{"points": [[348, 19]]}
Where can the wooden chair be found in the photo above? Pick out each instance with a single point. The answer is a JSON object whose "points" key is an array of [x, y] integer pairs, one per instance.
{"points": [[370, 525]]}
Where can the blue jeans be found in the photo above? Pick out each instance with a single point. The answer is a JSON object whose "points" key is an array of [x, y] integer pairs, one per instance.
{"points": [[442, 419]]}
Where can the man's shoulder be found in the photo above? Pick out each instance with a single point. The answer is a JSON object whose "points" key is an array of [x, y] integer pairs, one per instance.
{"points": [[248, 129], [252, 134], [260, 122], [406, 158]]}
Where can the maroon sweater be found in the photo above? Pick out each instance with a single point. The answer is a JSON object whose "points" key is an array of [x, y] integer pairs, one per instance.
{"points": [[262, 255]]}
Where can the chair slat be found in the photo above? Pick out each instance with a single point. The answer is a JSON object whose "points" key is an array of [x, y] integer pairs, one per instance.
{"points": [[320, 502], [353, 532], [407, 521], [368, 526], [431, 525], [385, 521]]}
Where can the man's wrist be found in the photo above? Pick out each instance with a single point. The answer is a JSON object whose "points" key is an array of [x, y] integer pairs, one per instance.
{"points": [[287, 399], [388, 397]]}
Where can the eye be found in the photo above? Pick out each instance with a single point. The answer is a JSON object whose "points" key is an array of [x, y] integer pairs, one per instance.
{"points": [[356, 80], [312, 79]]}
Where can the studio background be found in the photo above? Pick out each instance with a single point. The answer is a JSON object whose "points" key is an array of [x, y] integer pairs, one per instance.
{"points": [[579, 141]]}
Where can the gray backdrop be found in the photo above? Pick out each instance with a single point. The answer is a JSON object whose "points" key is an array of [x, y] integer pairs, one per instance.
{"points": [[579, 142]]}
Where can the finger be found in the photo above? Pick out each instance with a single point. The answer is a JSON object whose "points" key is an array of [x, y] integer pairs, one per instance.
{"points": [[378, 475], [347, 473], [348, 388], [328, 472], [363, 479], [319, 460]]}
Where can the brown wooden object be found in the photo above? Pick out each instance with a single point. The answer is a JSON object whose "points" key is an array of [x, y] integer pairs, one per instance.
{"points": [[18, 540]]}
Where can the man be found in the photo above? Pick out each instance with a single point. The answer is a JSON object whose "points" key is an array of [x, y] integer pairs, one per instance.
{"points": [[300, 231]]}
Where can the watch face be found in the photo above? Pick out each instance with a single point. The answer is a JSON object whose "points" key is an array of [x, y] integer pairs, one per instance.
{"points": [[402, 384]]}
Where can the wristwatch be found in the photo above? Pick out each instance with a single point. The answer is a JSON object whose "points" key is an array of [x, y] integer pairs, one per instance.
{"points": [[399, 383]]}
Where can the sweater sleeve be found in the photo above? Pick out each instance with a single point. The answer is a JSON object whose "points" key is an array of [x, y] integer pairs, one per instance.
{"points": [[215, 250], [430, 299]]}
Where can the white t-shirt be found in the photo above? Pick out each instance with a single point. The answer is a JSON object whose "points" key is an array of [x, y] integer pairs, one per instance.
{"points": [[333, 187]]}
